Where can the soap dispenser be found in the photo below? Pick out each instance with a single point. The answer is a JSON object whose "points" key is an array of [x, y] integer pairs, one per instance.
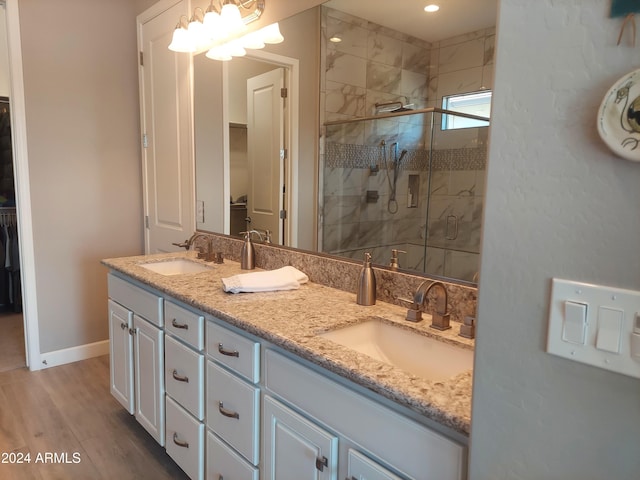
{"points": [[248, 254], [393, 263], [366, 294]]}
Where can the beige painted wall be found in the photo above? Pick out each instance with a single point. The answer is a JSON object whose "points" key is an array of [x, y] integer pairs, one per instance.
{"points": [[81, 94]]}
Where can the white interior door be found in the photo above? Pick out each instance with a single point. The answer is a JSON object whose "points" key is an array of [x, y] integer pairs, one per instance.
{"points": [[169, 198], [265, 152]]}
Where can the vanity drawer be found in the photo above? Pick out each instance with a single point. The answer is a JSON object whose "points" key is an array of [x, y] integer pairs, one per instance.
{"points": [[236, 352], [143, 303], [233, 411], [184, 324], [185, 440], [222, 462], [184, 376]]}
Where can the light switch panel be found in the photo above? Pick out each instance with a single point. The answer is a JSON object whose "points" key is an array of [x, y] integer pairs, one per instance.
{"points": [[596, 325]]}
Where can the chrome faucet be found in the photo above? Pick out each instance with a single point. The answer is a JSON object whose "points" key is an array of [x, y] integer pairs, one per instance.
{"points": [[439, 318]]}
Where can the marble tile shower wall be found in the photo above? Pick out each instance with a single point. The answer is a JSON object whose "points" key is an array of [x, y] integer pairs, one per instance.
{"points": [[374, 64], [359, 215]]}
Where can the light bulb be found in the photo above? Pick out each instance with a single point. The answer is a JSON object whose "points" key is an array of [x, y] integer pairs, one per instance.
{"points": [[271, 34], [198, 35], [213, 24], [219, 53], [181, 41], [252, 40], [236, 49], [232, 18]]}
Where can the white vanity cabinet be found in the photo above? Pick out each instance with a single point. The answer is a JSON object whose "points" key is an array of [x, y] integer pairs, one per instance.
{"points": [[137, 353], [233, 404], [390, 441], [184, 378], [237, 407]]}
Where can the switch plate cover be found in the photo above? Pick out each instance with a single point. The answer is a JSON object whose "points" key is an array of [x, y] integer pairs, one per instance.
{"points": [[602, 304]]}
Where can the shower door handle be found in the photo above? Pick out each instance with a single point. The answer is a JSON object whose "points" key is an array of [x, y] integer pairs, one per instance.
{"points": [[452, 221]]}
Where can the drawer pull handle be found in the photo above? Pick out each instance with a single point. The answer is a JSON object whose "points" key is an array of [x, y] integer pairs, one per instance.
{"points": [[228, 353], [180, 378], [175, 323], [321, 463], [180, 443], [227, 413]]}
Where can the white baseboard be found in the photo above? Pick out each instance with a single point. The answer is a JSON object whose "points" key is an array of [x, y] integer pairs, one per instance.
{"points": [[73, 354]]}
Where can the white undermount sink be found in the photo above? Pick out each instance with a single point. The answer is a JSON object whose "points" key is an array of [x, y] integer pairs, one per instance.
{"points": [[418, 354], [178, 266]]}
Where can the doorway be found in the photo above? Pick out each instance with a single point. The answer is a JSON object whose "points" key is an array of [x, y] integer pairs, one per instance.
{"points": [[12, 340], [261, 93]]}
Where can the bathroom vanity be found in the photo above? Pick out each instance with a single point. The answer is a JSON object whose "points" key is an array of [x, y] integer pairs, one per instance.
{"points": [[248, 386]]}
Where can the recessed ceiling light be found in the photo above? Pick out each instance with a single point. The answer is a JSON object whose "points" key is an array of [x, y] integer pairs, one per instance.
{"points": [[431, 8], [335, 39]]}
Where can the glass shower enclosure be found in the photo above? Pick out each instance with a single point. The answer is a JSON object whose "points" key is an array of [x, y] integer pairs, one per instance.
{"points": [[410, 181]]}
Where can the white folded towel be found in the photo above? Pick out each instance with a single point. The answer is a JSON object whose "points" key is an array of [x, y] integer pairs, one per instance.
{"points": [[285, 278]]}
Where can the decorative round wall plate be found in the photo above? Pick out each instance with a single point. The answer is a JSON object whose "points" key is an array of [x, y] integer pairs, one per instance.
{"points": [[619, 117]]}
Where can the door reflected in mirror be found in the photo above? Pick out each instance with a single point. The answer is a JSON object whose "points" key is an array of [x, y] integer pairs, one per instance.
{"points": [[405, 184]]}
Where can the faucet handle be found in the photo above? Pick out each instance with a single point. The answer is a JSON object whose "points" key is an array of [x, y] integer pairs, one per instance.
{"points": [[405, 302], [468, 328], [414, 311], [184, 244]]}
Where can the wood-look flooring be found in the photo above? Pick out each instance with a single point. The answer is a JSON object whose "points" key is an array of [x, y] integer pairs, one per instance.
{"points": [[11, 341], [68, 411]]}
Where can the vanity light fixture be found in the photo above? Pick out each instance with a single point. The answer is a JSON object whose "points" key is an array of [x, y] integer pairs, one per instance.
{"points": [[335, 39], [431, 8], [220, 31]]}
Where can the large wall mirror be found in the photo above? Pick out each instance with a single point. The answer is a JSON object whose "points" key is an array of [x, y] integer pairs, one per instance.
{"points": [[330, 140]]}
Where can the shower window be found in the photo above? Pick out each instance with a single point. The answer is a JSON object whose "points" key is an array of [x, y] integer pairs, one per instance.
{"points": [[474, 103]]}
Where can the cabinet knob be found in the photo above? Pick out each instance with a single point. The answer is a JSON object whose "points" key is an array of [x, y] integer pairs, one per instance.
{"points": [[123, 326]]}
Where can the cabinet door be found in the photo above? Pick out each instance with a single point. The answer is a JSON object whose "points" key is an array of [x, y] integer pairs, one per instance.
{"points": [[121, 355], [149, 380], [295, 448], [363, 468]]}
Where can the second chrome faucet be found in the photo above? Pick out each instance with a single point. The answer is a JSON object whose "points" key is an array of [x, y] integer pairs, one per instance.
{"points": [[440, 317]]}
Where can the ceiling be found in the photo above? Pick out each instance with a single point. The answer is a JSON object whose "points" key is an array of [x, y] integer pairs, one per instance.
{"points": [[455, 17]]}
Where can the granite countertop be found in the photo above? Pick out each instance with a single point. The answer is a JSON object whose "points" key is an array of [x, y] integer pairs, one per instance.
{"points": [[293, 320]]}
